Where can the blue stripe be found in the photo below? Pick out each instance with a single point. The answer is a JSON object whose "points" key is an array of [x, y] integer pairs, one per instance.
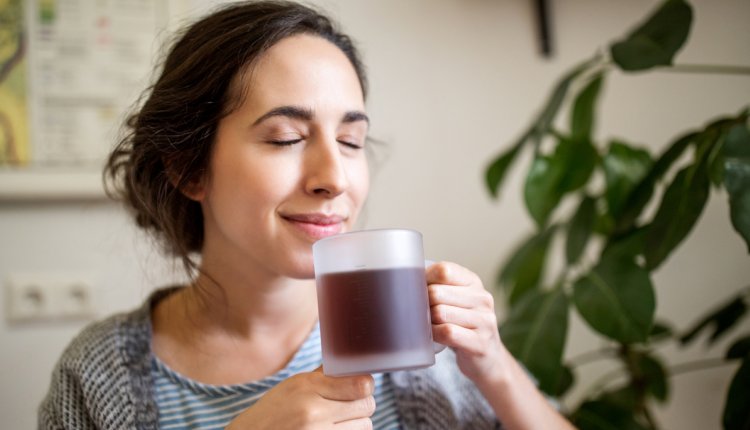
{"points": [[187, 404]]}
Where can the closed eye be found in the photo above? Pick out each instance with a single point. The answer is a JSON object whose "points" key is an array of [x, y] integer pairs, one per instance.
{"points": [[285, 142], [350, 144]]}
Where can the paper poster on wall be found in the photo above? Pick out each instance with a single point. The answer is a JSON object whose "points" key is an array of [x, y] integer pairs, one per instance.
{"points": [[74, 69], [14, 140]]}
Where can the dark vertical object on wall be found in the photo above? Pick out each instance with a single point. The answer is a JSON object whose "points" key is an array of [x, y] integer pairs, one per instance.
{"points": [[545, 38]]}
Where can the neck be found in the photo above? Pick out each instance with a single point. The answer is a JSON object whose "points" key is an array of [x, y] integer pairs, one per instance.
{"points": [[247, 305]]}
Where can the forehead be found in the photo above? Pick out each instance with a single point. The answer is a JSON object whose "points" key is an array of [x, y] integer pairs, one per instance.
{"points": [[300, 70]]}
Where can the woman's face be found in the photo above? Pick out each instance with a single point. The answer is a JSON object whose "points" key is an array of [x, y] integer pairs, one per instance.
{"points": [[288, 166]]}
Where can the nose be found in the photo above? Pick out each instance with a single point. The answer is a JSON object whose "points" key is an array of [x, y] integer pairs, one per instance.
{"points": [[326, 172]]}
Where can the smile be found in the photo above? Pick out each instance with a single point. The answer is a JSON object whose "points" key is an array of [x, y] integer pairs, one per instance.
{"points": [[316, 226]]}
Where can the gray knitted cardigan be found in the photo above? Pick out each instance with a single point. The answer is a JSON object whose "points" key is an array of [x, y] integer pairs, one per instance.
{"points": [[103, 381]]}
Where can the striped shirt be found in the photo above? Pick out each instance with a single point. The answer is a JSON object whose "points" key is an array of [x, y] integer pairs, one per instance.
{"points": [[187, 404]]}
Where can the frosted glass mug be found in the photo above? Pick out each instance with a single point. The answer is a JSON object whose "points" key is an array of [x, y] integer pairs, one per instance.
{"points": [[372, 302]]}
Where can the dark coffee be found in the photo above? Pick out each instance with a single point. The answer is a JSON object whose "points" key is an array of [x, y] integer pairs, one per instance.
{"points": [[374, 311]]}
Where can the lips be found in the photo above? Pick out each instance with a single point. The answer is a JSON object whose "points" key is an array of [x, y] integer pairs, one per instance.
{"points": [[315, 225]]}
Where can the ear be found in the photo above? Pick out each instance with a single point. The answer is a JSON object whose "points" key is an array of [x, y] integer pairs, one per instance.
{"points": [[195, 189]]}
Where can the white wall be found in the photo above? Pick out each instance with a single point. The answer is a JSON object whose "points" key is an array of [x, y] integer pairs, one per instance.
{"points": [[453, 82]]}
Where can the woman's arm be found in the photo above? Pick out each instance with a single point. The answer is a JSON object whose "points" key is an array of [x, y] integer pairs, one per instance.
{"points": [[64, 406], [463, 318]]}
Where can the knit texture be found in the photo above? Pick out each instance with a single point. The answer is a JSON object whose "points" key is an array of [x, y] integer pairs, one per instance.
{"points": [[103, 381]]}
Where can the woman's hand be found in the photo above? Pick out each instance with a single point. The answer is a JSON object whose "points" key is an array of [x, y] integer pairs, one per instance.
{"points": [[463, 318], [312, 401]]}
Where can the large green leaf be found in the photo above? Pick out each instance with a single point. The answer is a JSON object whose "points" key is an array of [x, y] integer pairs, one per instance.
{"points": [[499, 167], [523, 270], [640, 196], [617, 299], [737, 178], [653, 376], [539, 128], [582, 120], [740, 348], [660, 331], [535, 334], [624, 397], [551, 177], [604, 415], [565, 383], [579, 156], [721, 319], [624, 168], [656, 41], [547, 116], [680, 208], [716, 162], [736, 414], [580, 229], [627, 246], [541, 189], [721, 128]]}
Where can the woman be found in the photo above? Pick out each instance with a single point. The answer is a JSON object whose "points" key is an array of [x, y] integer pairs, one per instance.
{"points": [[251, 146]]}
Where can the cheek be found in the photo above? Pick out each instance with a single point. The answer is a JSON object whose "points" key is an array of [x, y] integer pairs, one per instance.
{"points": [[249, 179], [360, 181], [270, 182]]}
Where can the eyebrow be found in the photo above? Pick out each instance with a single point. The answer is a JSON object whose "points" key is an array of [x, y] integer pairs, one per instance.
{"points": [[354, 116], [306, 114]]}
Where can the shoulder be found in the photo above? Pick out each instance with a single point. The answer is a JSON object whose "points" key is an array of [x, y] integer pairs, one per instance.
{"points": [[101, 379], [99, 343], [119, 339]]}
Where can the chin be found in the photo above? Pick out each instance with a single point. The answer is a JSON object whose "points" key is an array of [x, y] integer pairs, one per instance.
{"points": [[302, 269], [303, 275]]}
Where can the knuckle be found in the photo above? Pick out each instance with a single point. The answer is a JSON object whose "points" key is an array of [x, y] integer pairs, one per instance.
{"points": [[368, 405], [311, 414], [439, 313], [488, 300], [443, 271], [449, 332], [434, 293], [363, 386], [489, 319]]}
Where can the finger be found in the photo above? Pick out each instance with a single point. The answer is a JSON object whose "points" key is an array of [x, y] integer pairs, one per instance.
{"points": [[468, 318], [450, 274], [454, 336], [343, 388], [460, 296], [353, 409], [358, 424]]}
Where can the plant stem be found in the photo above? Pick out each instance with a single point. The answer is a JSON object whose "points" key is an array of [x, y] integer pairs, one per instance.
{"points": [[690, 366], [708, 363], [560, 282], [601, 383], [593, 355], [707, 68]]}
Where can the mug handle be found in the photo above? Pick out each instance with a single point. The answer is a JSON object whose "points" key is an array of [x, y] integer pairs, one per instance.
{"points": [[436, 347]]}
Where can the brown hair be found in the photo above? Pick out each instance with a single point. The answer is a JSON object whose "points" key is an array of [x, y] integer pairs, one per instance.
{"points": [[169, 140]]}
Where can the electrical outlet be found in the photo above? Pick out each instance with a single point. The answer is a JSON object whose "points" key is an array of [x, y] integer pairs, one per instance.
{"points": [[32, 297]]}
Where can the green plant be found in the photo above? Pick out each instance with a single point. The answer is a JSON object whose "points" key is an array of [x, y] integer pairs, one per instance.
{"points": [[612, 244]]}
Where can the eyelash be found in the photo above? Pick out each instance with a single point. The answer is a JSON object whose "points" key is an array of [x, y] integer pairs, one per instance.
{"points": [[294, 141], [285, 142]]}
